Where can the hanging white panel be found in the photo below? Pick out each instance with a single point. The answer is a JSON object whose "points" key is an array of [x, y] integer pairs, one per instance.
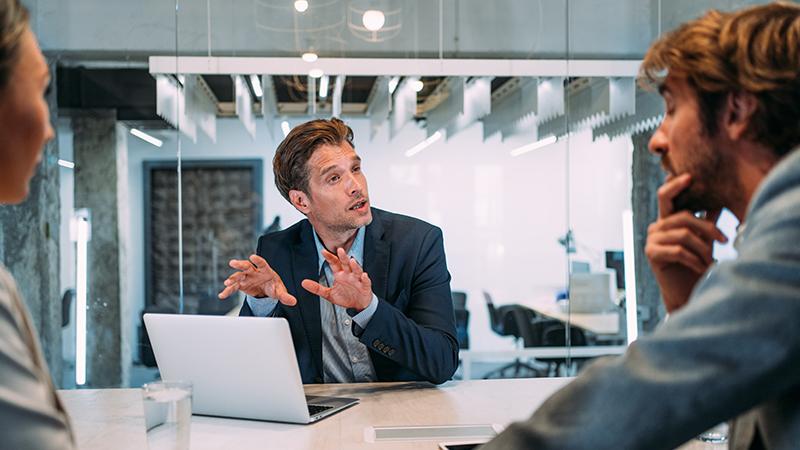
{"points": [[477, 104], [338, 87], [449, 109], [201, 106], [550, 98], [379, 105], [649, 111], [269, 105], [171, 106], [244, 105], [514, 113], [404, 106], [592, 103]]}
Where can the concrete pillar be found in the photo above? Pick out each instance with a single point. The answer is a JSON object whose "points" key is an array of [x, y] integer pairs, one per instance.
{"points": [[647, 177], [29, 247], [100, 168]]}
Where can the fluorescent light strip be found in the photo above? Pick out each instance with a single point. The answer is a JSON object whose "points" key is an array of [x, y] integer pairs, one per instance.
{"points": [[285, 128], [80, 300], [323, 87], [424, 144], [534, 146], [146, 137], [256, 82], [631, 312], [65, 163]]}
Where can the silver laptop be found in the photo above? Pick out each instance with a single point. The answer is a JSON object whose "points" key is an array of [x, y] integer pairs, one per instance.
{"points": [[242, 367], [593, 292]]}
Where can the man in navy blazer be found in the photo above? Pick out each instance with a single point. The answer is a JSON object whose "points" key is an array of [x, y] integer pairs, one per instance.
{"points": [[366, 292]]}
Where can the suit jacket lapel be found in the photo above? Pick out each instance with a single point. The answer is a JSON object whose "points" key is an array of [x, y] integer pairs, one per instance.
{"points": [[376, 256], [304, 266]]}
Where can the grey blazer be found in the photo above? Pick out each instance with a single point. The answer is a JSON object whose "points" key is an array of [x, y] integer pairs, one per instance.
{"points": [[31, 415], [733, 350]]}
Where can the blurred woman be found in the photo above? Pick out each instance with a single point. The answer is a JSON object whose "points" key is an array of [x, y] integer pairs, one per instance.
{"points": [[31, 415]]}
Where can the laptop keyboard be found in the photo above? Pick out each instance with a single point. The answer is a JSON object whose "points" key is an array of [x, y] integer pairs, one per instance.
{"points": [[313, 410]]}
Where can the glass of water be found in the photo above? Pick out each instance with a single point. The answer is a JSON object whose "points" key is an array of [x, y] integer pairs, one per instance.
{"points": [[715, 435], [167, 414]]}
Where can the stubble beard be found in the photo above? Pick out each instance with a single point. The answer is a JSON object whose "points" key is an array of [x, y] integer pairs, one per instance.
{"points": [[713, 180]]}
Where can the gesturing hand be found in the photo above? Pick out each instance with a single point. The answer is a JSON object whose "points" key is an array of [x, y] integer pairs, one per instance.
{"points": [[680, 245], [256, 279], [351, 287]]}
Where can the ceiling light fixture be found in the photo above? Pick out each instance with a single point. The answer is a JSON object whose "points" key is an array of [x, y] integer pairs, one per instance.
{"points": [[424, 144], [146, 137], [285, 128], [315, 73], [534, 146], [418, 85], [323, 87], [309, 57], [256, 82], [66, 164], [373, 19], [301, 6], [393, 84]]}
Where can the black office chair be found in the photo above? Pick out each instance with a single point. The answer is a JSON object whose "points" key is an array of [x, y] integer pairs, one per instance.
{"points": [[512, 320], [462, 318], [553, 333]]}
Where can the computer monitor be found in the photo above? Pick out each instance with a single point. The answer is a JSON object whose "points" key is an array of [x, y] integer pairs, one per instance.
{"points": [[615, 259]]}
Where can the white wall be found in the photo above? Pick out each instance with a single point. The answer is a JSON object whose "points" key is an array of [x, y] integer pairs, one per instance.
{"points": [[501, 215]]}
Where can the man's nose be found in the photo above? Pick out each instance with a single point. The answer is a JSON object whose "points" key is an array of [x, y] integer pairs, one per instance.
{"points": [[658, 142], [354, 186]]}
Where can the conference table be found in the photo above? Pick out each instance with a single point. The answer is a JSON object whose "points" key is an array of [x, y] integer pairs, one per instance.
{"points": [[114, 418]]}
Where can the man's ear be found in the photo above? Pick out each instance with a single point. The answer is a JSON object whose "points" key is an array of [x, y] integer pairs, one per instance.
{"points": [[299, 200], [739, 109]]}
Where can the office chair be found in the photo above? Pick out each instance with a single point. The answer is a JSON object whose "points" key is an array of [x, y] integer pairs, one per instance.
{"points": [[462, 318], [512, 320], [553, 333]]}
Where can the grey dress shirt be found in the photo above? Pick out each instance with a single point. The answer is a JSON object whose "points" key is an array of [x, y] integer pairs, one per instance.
{"points": [[31, 415], [733, 350], [344, 358]]}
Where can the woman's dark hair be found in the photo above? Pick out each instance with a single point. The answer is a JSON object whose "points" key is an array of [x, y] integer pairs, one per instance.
{"points": [[13, 23]]}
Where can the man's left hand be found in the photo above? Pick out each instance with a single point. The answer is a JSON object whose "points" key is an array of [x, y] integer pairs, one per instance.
{"points": [[351, 287]]}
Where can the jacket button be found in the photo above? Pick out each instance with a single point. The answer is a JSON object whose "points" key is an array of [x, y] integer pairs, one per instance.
{"points": [[391, 352], [376, 342]]}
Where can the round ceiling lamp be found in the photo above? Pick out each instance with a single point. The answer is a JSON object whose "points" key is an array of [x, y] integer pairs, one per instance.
{"points": [[301, 6], [418, 85], [309, 57], [315, 73], [373, 19]]}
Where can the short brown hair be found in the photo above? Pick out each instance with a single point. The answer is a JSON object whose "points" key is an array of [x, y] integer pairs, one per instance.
{"points": [[754, 50], [13, 23], [290, 164]]}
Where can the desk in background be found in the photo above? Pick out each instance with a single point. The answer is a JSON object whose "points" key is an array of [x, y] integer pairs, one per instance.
{"points": [[606, 323], [113, 418]]}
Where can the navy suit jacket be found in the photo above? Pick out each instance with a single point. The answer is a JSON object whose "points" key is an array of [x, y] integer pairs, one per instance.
{"points": [[411, 336]]}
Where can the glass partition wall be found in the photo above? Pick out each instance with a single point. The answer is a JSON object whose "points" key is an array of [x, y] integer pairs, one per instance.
{"points": [[514, 126]]}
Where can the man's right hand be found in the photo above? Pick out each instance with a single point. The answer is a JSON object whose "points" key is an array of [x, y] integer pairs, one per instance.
{"points": [[680, 245], [256, 279]]}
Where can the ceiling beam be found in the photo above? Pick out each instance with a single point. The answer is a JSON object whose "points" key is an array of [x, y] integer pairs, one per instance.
{"points": [[395, 66]]}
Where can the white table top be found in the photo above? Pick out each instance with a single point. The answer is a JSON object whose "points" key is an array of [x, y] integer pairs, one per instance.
{"points": [[113, 418], [598, 323]]}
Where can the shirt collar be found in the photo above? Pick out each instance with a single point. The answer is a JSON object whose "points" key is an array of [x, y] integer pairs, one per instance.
{"points": [[356, 250]]}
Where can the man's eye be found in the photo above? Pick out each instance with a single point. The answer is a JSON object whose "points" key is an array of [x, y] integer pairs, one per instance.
{"points": [[333, 179], [357, 169]]}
